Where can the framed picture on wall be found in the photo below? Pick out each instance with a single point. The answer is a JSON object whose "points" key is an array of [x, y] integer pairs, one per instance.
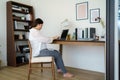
{"points": [[95, 15], [82, 11]]}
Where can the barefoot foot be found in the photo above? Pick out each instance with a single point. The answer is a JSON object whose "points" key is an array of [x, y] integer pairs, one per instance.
{"points": [[68, 75], [59, 71]]}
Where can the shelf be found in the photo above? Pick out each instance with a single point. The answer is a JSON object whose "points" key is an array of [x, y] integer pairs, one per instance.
{"points": [[21, 39], [21, 20], [19, 64], [26, 30], [22, 12], [20, 4]]}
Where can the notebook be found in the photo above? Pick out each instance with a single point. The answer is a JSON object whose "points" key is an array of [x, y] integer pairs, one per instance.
{"points": [[64, 34]]}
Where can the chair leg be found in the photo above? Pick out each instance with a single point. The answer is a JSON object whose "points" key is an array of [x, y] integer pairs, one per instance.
{"points": [[29, 71], [29, 74], [41, 67], [53, 70]]}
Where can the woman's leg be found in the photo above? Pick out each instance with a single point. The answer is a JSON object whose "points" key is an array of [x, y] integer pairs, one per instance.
{"points": [[57, 56]]}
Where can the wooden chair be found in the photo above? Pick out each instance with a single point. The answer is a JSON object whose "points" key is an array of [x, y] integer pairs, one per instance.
{"points": [[40, 60]]}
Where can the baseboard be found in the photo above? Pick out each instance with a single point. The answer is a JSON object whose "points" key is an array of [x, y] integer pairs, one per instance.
{"points": [[85, 71]]}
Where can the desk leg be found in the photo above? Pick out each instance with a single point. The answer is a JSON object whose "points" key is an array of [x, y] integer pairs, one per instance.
{"points": [[105, 60], [61, 48]]}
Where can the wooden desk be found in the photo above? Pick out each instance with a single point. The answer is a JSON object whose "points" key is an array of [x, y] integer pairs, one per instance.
{"points": [[81, 43]]}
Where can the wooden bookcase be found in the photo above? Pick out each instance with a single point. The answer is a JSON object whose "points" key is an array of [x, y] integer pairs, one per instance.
{"points": [[19, 19]]}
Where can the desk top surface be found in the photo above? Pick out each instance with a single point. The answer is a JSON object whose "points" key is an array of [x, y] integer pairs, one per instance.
{"points": [[97, 41], [77, 42]]}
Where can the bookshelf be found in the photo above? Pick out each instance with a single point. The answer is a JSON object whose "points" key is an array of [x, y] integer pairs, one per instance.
{"points": [[19, 19]]}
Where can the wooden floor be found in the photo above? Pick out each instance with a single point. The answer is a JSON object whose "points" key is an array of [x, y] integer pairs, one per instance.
{"points": [[20, 73]]}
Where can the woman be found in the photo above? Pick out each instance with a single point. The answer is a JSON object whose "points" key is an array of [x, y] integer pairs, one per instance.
{"points": [[39, 48]]}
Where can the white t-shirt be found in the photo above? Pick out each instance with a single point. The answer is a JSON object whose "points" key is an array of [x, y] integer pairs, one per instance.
{"points": [[38, 41]]}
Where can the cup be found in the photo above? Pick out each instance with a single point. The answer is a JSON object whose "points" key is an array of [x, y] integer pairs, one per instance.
{"points": [[68, 37]]}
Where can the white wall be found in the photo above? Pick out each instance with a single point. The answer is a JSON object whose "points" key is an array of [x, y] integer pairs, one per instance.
{"points": [[53, 12], [3, 33]]}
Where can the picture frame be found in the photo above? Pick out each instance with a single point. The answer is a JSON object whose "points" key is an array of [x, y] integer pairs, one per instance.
{"points": [[95, 15], [82, 11]]}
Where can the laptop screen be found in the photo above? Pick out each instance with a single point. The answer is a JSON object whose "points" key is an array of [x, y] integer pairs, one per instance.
{"points": [[64, 34]]}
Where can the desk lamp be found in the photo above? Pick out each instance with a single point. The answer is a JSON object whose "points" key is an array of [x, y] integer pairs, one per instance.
{"points": [[103, 26]]}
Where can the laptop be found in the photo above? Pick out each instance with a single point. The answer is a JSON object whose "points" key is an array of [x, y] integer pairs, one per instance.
{"points": [[64, 34]]}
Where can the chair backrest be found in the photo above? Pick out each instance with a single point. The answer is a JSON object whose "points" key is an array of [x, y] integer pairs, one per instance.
{"points": [[29, 44]]}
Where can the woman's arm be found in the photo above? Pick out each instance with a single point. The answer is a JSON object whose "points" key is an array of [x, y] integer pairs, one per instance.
{"points": [[37, 36]]}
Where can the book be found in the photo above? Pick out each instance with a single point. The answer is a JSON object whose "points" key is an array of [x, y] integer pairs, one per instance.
{"points": [[86, 33], [28, 17], [76, 33], [91, 32], [79, 33], [15, 25]]}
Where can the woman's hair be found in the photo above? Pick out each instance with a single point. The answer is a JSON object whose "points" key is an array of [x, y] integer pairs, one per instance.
{"points": [[37, 21]]}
